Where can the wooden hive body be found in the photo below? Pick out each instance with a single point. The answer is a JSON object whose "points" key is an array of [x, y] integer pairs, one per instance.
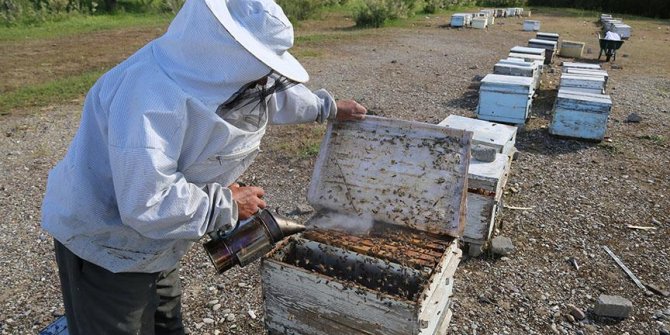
{"points": [[505, 98], [547, 36], [595, 84], [485, 180], [580, 115], [409, 181]]}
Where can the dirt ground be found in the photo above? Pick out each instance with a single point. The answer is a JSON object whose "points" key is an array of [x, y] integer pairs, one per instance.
{"points": [[583, 195]]}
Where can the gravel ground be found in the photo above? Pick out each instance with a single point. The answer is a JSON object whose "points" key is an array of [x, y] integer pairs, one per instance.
{"points": [[583, 195]]}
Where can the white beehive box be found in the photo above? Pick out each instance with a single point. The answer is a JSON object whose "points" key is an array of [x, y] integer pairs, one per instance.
{"points": [[461, 20], [572, 49], [479, 23], [541, 52], [547, 36], [595, 84], [501, 137], [485, 179], [527, 57], [550, 46], [587, 66], [622, 29], [587, 72], [409, 176], [580, 115], [531, 25], [505, 98], [516, 61], [604, 17], [522, 69]]}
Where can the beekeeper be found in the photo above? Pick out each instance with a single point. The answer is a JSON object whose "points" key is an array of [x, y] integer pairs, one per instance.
{"points": [[152, 168]]}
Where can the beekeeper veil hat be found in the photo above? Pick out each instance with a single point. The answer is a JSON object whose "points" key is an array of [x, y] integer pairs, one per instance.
{"points": [[263, 29]]}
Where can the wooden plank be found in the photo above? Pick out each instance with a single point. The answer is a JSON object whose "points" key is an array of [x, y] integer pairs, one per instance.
{"points": [[625, 269], [439, 293], [301, 302]]}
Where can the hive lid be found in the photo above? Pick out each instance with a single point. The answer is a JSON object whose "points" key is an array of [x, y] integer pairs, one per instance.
{"points": [[528, 50], [400, 172], [503, 80], [542, 42]]}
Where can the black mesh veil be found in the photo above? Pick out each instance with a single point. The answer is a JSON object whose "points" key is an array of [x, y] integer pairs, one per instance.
{"points": [[247, 108]]}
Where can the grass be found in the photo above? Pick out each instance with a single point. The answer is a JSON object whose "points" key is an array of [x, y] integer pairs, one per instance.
{"points": [[657, 139], [53, 92], [82, 24]]}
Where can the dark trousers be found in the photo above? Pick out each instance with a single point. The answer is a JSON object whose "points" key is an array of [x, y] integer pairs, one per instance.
{"points": [[100, 302]]}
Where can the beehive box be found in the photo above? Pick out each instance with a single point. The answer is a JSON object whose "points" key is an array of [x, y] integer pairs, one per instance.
{"points": [[460, 20], [547, 36], [572, 49], [587, 72], [577, 65], [505, 99], [580, 115], [521, 69], [530, 51], [479, 23], [551, 47], [594, 84], [527, 57], [501, 137], [518, 61], [531, 25], [485, 180], [408, 180], [622, 29]]}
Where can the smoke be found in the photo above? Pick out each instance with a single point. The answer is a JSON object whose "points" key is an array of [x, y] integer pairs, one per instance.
{"points": [[353, 224]]}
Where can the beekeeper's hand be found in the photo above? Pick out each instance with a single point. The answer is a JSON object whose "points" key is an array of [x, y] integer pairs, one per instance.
{"points": [[249, 200], [350, 110]]}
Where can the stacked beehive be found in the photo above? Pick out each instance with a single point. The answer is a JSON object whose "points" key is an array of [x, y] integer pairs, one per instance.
{"points": [[408, 180], [549, 45], [506, 95], [582, 108], [487, 176], [615, 25]]}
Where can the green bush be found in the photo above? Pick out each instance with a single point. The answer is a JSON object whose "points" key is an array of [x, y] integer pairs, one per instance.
{"points": [[371, 13], [297, 10]]}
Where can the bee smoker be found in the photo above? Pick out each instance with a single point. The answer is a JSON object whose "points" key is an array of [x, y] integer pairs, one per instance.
{"points": [[251, 239]]}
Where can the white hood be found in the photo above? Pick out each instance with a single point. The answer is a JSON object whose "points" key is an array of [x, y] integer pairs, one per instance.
{"points": [[200, 56]]}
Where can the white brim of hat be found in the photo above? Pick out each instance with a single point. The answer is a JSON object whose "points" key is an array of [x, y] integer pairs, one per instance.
{"points": [[284, 64]]}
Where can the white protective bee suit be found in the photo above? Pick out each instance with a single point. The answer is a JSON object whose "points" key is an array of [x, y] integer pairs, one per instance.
{"points": [[148, 170]]}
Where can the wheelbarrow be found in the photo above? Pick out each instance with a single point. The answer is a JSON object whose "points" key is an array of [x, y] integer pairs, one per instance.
{"points": [[609, 48]]}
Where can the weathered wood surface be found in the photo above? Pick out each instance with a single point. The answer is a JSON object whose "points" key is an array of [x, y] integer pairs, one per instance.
{"points": [[498, 136], [505, 98], [527, 57], [486, 181], [583, 81], [400, 172], [578, 124], [547, 36], [439, 294], [527, 50], [302, 301], [582, 65]]}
